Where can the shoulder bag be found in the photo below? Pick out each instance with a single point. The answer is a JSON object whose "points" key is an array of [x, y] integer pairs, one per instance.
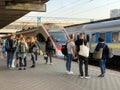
{"points": [[84, 50], [98, 54]]}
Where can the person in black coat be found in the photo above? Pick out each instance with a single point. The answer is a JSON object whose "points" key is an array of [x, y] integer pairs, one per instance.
{"points": [[102, 61], [49, 49]]}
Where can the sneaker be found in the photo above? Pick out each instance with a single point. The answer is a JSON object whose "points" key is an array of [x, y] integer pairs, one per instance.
{"points": [[67, 71], [24, 68], [70, 72], [51, 63], [81, 76], [19, 68], [32, 66], [87, 77], [101, 75]]}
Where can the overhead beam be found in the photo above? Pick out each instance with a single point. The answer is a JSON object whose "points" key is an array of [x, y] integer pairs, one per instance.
{"points": [[11, 10]]}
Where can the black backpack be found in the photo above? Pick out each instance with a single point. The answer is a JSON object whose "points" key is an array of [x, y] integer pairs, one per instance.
{"points": [[64, 50], [7, 45]]}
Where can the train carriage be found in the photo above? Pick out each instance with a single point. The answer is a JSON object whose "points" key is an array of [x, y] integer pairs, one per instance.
{"points": [[108, 29]]}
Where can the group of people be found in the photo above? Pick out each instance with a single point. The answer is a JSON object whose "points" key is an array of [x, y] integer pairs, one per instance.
{"points": [[73, 49], [15, 49], [18, 47]]}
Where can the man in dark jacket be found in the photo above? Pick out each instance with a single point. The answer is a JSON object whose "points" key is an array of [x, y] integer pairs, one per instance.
{"points": [[102, 61], [82, 59], [10, 50], [49, 49]]}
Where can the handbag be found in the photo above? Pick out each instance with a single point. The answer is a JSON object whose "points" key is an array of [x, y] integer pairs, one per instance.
{"points": [[98, 54], [84, 50], [40, 52]]}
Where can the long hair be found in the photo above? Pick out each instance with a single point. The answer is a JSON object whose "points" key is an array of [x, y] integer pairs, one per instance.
{"points": [[32, 40]]}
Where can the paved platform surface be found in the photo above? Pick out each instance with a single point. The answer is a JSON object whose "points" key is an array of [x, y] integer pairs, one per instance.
{"points": [[54, 77]]}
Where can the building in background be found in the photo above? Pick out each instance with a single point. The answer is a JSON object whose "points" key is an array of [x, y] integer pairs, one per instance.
{"points": [[115, 13]]}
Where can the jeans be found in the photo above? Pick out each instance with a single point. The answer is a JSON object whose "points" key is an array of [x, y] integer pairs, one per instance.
{"points": [[81, 61], [33, 58], [102, 63], [9, 58], [68, 61]]}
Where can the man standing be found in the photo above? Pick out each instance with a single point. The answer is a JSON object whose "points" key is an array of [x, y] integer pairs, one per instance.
{"points": [[82, 59], [10, 50]]}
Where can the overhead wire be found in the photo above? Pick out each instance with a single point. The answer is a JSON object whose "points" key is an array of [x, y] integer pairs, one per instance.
{"points": [[94, 8], [71, 12], [72, 4]]}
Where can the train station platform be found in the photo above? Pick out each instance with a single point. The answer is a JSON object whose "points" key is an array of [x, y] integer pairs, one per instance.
{"points": [[54, 77]]}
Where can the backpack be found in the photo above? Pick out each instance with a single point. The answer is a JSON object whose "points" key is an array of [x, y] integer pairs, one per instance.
{"points": [[22, 47], [7, 45], [64, 50]]}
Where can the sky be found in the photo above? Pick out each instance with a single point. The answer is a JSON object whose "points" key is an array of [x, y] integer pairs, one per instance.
{"points": [[89, 9], [82, 10]]}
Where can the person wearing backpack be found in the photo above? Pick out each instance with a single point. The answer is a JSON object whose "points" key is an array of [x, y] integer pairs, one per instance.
{"points": [[71, 54], [102, 61], [17, 40], [10, 50], [22, 49]]}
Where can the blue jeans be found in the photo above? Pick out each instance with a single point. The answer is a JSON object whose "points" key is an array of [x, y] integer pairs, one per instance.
{"points": [[68, 62], [102, 63], [9, 59]]}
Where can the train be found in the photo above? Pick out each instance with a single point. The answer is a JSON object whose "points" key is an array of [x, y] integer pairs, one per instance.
{"points": [[58, 35], [109, 29]]}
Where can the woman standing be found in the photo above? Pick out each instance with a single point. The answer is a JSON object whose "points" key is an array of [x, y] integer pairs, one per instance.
{"points": [[22, 48], [71, 53], [102, 61], [33, 51]]}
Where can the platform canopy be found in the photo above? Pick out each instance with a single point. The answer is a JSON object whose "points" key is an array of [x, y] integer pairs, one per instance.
{"points": [[11, 10]]}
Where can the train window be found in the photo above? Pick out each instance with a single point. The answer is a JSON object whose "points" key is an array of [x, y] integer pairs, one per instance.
{"points": [[87, 37], [102, 35], [40, 37], [115, 37]]}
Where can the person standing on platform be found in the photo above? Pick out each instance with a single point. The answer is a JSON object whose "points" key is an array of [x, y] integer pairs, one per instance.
{"points": [[33, 51], [10, 50], [71, 54], [82, 59], [38, 47], [22, 49], [102, 61], [17, 40], [3, 48], [49, 50]]}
